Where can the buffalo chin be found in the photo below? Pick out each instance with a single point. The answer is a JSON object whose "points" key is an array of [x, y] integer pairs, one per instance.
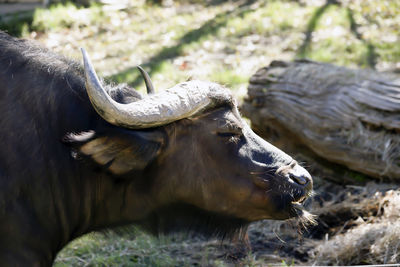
{"points": [[305, 218], [193, 220]]}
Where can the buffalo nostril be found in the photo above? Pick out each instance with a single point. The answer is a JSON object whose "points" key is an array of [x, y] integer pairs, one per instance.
{"points": [[300, 179]]}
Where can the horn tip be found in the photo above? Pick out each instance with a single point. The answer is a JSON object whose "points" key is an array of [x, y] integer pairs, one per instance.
{"points": [[140, 69], [83, 51], [85, 56]]}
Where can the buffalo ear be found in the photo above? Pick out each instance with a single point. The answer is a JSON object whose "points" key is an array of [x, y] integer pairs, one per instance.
{"points": [[120, 152]]}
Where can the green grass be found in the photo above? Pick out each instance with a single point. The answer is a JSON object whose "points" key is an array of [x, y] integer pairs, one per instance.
{"points": [[135, 248], [61, 16], [17, 24], [115, 250], [228, 77], [157, 37]]}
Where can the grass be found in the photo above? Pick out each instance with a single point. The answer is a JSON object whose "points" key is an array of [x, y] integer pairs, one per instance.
{"points": [[217, 42], [17, 24], [96, 249], [61, 16], [228, 77], [226, 42], [135, 248]]}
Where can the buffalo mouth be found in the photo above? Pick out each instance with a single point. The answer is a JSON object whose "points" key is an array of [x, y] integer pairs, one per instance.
{"points": [[286, 197], [294, 206]]}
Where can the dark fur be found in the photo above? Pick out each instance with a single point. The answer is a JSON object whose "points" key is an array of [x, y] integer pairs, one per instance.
{"points": [[190, 219]]}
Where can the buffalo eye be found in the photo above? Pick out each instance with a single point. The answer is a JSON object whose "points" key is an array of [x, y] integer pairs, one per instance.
{"points": [[229, 129]]}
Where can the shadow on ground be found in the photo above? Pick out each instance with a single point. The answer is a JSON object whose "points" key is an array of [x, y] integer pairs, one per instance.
{"points": [[305, 49], [154, 63]]}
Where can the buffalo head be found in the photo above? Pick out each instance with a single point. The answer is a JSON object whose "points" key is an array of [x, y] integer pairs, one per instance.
{"points": [[186, 158]]}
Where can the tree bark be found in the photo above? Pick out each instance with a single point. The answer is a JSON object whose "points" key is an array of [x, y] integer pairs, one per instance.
{"points": [[343, 116]]}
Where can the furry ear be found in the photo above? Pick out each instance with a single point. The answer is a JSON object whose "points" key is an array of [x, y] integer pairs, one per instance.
{"points": [[120, 152]]}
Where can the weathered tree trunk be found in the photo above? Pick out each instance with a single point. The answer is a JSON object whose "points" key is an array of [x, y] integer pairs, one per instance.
{"points": [[345, 116]]}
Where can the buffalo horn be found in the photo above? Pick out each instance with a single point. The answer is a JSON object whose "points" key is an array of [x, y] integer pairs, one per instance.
{"points": [[147, 81], [178, 102]]}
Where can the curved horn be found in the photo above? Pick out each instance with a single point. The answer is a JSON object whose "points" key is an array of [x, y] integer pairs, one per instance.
{"points": [[147, 81], [178, 102]]}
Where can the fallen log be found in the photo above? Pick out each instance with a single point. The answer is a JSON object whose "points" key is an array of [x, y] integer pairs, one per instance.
{"points": [[343, 116]]}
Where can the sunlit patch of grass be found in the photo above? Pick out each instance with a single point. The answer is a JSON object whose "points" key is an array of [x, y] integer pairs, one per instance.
{"points": [[389, 51], [339, 51], [273, 17], [334, 41], [228, 77], [62, 16], [352, 34]]}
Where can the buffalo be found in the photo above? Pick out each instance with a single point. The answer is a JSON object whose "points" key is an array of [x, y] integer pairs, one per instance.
{"points": [[79, 155]]}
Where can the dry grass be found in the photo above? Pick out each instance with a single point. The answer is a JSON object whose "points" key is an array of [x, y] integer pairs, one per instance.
{"points": [[370, 236]]}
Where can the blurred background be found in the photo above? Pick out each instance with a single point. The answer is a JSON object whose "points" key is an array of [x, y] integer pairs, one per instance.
{"points": [[224, 42]]}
